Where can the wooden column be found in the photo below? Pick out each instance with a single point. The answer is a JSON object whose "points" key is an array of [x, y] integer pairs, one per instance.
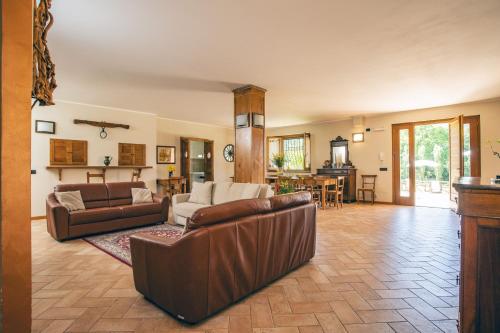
{"points": [[249, 141], [15, 197]]}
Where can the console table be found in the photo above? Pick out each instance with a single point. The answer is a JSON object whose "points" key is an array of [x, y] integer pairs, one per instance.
{"points": [[172, 185], [349, 180], [479, 207]]}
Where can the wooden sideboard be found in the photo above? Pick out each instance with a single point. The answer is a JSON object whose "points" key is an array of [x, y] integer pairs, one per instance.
{"points": [[349, 182], [479, 207]]}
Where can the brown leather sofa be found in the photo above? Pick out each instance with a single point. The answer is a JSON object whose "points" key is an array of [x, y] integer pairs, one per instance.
{"points": [[108, 207], [228, 251]]}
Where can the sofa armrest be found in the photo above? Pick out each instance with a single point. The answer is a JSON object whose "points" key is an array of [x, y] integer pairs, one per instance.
{"points": [[179, 198], [57, 218], [173, 273], [163, 200]]}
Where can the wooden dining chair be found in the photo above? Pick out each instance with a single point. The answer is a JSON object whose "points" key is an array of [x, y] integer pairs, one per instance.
{"points": [[335, 193], [96, 175], [318, 187], [309, 184], [136, 175], [367, 185]]}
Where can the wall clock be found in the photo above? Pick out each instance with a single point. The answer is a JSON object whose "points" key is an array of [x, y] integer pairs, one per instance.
{"points": [[229, 153]]}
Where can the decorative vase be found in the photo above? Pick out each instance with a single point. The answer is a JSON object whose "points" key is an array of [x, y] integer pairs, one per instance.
{"points": [[107, 160], [170, 174]]}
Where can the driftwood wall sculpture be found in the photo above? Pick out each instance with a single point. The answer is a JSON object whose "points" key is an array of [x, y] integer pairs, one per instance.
{"points": [[44, 81]]}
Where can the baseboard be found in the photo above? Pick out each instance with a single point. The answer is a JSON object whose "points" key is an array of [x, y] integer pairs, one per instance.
{"points": [[384, 202], [377, 202], [36, 218]]}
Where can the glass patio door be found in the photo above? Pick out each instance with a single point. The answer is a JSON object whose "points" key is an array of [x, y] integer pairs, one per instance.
{"points": [[404, 164], [403, 149]]}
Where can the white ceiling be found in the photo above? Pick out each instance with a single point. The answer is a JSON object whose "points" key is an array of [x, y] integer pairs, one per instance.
{"points": [[319, 60]]}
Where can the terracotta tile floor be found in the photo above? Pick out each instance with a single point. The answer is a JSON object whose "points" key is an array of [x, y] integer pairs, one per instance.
{"points": [[377, 268]]}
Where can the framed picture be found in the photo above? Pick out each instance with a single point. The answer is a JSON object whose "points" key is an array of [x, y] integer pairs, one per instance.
{"points": [[165, 154], [43, 126]]}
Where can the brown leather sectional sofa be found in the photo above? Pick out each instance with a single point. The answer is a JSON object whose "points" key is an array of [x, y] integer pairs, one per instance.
{"points": [[108, 208], [228, 251]]}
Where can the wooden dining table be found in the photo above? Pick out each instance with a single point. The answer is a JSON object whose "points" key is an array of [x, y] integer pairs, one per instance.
{"points": [[324, 182]]}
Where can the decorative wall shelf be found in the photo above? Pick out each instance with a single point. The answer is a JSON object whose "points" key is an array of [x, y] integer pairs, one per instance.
{"points": [[60, 168]]}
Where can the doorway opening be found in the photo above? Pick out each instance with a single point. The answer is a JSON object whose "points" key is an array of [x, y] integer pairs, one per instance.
{"points": [[429, 155], [432, 162], [197, 164]]}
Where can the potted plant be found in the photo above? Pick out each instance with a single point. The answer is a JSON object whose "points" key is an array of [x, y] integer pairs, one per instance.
{"points": [[279, 161], [285, 187], [171, 169], [497, 154]]}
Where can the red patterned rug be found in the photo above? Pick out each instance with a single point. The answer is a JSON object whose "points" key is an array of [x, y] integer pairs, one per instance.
{"points": [[117, 244]]}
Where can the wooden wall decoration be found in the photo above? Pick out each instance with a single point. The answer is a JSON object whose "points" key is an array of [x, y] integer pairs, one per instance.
{"points": [[68, 152], [131, 154], [44, 81], [102, 124]]}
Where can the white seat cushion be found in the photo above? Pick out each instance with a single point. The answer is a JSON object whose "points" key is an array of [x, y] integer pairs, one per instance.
{"points": [[186, 209]]}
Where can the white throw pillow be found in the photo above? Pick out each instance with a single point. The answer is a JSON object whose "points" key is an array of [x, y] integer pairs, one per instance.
{"points": [[71, 200], [250, 191], [141, 195], [240, 191], [201, 193], [221, 192]]}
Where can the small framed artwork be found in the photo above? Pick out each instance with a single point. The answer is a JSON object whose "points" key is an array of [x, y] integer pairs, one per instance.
{"points": [[43, 126], [257, 120], [165, 154]]}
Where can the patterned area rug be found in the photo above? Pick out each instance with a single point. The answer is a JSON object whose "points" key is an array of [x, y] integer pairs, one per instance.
{"points": [[117, 244]]}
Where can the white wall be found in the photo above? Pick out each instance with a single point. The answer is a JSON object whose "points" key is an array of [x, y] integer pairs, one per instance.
{"points": [[169, 134], [142, 130], [365, 155], [145, 128]]}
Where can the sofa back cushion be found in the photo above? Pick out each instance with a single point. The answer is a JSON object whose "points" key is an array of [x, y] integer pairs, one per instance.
{"points": [[227, 211], [120, 194], [279, 202], [93, 195], [201, 193], [220, 192], [228, 191]]}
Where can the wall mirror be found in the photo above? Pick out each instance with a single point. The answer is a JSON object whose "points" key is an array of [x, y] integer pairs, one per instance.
{"points": [[339, 152]]}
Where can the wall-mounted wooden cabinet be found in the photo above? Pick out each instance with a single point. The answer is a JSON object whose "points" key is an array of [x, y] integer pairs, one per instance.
{"points": [[131, 154], [68, 152]]}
